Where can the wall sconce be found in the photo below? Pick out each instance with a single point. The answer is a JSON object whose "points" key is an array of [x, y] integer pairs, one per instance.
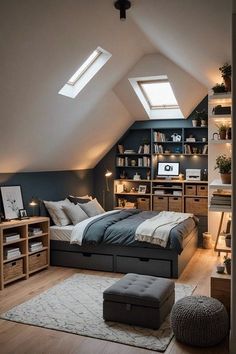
{"points": [[122, 6]]}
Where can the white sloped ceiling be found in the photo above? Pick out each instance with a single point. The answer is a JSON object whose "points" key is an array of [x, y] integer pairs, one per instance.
{"points": [[43, 43]]}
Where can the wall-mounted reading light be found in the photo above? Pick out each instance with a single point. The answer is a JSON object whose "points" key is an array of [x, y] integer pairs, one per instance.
{"points": [[122, 6]]}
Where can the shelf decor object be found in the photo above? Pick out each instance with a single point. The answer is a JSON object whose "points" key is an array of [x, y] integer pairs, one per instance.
{"points": [[12, 201]]}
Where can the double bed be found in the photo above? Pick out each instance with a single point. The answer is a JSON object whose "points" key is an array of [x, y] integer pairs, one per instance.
{"points": [[108, 243]]}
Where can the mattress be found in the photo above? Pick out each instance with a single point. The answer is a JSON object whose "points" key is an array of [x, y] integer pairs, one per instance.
{"points": [[61, 233]]}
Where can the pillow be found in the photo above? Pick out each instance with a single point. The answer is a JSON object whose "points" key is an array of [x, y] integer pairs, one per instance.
{"points": [[75, 213], [58, 216], [80, 200], [92, 208]]}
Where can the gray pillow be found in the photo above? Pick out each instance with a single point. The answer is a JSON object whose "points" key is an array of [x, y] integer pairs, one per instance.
{"points": [[92, 208], [75, 213], [57, 214]]}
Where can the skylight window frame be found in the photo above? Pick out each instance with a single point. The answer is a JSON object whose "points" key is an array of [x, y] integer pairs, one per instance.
{"points": [[156, 81], [90, 63], [76, 83]]}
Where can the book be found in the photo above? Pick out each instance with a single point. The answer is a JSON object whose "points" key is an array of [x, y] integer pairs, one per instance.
{"points": [[120, 149], [9, 238], [13, 255]]}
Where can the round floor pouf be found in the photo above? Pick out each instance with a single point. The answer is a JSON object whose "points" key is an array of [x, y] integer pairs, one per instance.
{"points": [[199, 321]]}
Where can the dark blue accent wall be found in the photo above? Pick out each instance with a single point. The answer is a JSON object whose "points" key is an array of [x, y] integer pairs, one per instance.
{"points": [[53, 185], [108, 161]]}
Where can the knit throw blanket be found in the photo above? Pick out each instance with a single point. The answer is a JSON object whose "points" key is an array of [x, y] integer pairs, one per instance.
{"points": [[157, 229]]}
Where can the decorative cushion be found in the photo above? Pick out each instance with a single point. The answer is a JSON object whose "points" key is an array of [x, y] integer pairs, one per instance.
{"points": [[199, 321], [92, 208], [56, 212], [75, 213], [81, 200]]}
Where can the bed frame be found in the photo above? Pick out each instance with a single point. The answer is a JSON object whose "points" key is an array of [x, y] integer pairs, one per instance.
{"points": [[111, 258]]}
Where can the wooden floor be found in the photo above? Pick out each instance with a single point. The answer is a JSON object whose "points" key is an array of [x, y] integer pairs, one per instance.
{"points": [[19, 338]]}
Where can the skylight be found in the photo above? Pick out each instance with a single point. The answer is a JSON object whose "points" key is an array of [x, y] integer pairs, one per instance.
{"points": [[85, 72], [157, 97], [159, 94]]}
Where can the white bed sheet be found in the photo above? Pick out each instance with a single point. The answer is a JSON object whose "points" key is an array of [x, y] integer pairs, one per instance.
{"points": [[61, 233]]}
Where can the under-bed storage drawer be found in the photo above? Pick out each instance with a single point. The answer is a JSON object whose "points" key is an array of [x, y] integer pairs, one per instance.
{"points": [[140, 265], [82, 260]]}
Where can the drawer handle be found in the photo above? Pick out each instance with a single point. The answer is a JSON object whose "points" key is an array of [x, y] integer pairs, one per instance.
{"points": [[13, 264], [144, 259], [85, 254], [190, 187], [202, 188], [160, 198], [38, 255], [175, 198], [197, 200]]}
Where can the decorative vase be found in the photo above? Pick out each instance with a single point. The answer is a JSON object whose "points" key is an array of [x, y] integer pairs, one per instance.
{"points": [[194, 122], [222, 134], [225, 178], [227, 82], [228, 267], [203, 123]]}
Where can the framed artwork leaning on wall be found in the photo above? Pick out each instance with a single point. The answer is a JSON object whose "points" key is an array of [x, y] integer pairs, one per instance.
{"points": [[12, 201]]}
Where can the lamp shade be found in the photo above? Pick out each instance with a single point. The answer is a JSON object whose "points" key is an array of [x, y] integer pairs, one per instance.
{"points": [[108, 173]]}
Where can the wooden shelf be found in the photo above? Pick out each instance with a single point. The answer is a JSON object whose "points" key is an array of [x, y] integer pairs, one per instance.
{"points": [[42, 249], [15, 241], [166, 195], [36, 236], [168, 154], [38, 269], [220, 116], [14, 259], [220, 208], [196, 142], [196, 127], [133, 166], [217, 184], [133, 180], [133, 154], [220, 96], [225, 141], [14, 279], [141, 194], [194, 196]]}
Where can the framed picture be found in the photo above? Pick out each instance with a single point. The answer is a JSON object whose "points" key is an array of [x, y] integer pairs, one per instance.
{"points": [[142, 189], [12, 201], [23, 214]]}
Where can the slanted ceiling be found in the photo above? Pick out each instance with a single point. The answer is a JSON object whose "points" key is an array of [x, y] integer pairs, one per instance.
{"points": [[43, 43]]}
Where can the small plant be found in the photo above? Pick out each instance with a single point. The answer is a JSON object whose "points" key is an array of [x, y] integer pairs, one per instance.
{"points": [[219, 88], [223, 163], [225, 70], [201, 114], [223, 127]]}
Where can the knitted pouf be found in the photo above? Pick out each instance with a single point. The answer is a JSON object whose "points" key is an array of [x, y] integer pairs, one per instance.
{"points": [[199, 321]]}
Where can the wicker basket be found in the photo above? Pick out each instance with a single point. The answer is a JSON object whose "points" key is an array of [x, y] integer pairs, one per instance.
{"points": [[12, 269], [37, 260]]}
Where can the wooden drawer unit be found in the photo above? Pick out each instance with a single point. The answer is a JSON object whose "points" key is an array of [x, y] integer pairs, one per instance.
{"points": [[37, 260], [160, 203], [220, 288], [190, 189], [155, 267], [175, 204], [12, 270], [143, 203], [202, 190], [197, 206]]}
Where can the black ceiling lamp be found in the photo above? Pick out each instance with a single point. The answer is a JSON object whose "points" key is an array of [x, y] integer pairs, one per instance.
{"points": [[122, 6]]}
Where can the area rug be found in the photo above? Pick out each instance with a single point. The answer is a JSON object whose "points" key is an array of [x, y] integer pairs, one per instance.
{"points": [[75, 306]]}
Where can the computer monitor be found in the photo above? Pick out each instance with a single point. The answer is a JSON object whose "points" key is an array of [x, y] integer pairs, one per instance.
{"points": [[168, 169]]}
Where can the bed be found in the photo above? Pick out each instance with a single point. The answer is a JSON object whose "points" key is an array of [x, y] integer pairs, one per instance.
{"points": [[109, 244]]}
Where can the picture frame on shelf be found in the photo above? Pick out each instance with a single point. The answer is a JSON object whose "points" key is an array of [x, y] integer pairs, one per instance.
{"points": [[142, 189], [12, 201], [23, 214]]}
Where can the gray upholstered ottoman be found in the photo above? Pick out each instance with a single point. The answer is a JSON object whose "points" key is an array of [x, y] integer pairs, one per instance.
{"points": [[139, 300]]}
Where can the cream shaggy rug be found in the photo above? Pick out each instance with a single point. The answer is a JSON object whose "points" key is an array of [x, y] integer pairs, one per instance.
{"points": [[75, 306]]}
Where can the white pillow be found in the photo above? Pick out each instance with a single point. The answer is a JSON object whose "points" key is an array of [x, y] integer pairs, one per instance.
{"points": [[92, 208], [58, 216], [75, 213]]}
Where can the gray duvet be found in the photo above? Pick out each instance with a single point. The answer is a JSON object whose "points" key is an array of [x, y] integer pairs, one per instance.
{"points": [[119, 229]]}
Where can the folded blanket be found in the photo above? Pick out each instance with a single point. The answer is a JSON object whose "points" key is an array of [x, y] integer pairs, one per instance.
{"points": [[157, 229]]}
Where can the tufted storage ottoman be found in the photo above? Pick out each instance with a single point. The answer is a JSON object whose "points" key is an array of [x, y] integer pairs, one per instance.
{"points": [[199, 321], [139, 300]]}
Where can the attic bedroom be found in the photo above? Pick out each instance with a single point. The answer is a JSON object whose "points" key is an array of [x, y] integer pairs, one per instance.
{"points": [[116, 178]]}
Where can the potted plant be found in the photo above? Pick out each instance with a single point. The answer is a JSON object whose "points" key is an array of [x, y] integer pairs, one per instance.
{"points": [[223, 163], [227, 262], [219, 88], [226, 74], [223, 128]]}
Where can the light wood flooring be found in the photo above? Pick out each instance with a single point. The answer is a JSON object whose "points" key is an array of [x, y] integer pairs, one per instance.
{"points": [[19, 338]]}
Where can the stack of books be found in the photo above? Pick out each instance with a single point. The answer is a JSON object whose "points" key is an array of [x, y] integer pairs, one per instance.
{"points": [[35, 231], [12, 252], [129, 151], [35, 246], [158, 137], [221, 199], [11, 237], [158, 149], [146, 161]]}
